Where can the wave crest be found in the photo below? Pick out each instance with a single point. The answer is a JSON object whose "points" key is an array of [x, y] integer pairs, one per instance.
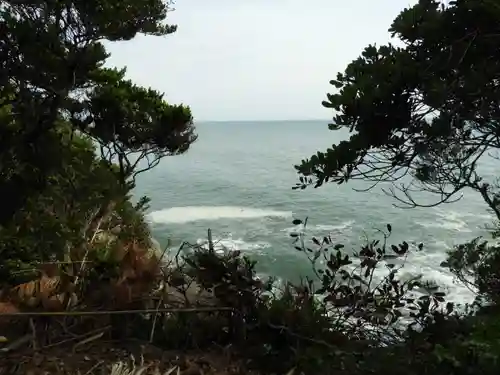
{"points": [[182, 215]]}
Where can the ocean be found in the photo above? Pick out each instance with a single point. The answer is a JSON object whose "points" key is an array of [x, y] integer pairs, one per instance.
{"points": [[237, 180]]}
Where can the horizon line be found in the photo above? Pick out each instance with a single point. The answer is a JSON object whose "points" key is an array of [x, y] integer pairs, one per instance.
{"points": [[284, 120]]}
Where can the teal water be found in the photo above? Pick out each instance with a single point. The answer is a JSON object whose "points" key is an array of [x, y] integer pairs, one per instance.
{"points": [[237, 179]]}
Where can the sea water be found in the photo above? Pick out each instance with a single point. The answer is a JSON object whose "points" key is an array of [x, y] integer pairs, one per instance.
{"points": [[237, 180]]}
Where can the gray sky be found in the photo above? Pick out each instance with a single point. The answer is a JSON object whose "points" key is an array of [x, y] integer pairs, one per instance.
{"points": [[256, 59]]}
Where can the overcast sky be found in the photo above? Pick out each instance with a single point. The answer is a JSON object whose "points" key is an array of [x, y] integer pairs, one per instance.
{"points": [[256, 59]]}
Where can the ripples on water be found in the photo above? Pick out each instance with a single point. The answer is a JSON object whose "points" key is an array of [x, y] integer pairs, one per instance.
{"points": [[237, 181]]}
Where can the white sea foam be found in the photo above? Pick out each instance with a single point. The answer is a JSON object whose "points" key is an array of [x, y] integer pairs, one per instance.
{"points": [[323, 228], [448, 220], [230, 244], [182, 215], [222, 244], [427, 264]]}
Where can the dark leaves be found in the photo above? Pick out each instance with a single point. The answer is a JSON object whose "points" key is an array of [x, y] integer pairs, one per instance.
{"points": [[379, 95], [357, 286]]}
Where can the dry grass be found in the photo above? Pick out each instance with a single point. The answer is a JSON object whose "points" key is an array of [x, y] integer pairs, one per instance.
{"points": [[125, 358]]}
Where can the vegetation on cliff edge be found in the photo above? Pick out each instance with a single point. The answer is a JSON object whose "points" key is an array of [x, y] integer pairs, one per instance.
{"points": [[74, 135]]}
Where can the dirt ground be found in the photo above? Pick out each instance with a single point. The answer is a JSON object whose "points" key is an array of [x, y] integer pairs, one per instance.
{"points": [[100, 356]]}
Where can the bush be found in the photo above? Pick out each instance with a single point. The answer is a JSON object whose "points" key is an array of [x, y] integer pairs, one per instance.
{"points": [[477, 265], [338, 319], [360, 300]]}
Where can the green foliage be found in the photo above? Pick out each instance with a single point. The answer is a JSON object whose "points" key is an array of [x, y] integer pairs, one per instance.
{"points": [[230, 277], [355, 295], [477, 265], [51, 222], [426, 109], [73, 134], [344, 322], [128, 120], [338, 322], [420, 117], [52, 58], [461, 345]]}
